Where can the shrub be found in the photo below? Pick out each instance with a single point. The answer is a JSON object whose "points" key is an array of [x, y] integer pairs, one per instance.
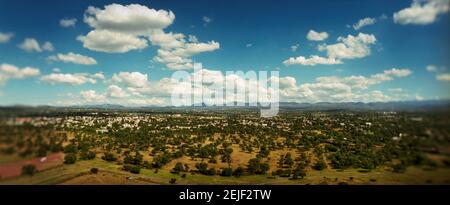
{"points": [[70, 158], [298, 173], [109, 157], [173, 181], [238, 172], [285, 173], [256, 167], [135, 169], [29, 169], [70, 148], [94, 170], [178, 168], [147, 165], [202, 167], [211, 171], [226, 172], [320, 165], [88, 155]]}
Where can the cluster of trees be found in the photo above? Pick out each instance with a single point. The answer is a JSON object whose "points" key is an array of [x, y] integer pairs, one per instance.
{"points": [[79, 148], [255, 166], [27, 140], [133, 162], [338, 140], [288, 167]]}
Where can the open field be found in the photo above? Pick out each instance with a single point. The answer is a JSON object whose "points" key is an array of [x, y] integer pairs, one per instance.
{"points": [[79, 173]]}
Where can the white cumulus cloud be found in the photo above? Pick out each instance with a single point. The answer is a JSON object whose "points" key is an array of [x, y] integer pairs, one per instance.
{"points": [[119, 29], [364, 22], [350, 47], [8, 71], [316, 36], [32, 45], [73, 58], [70, 78], [311, 61], [131, 79], [443, 77], [5, 37], [421, 12]]}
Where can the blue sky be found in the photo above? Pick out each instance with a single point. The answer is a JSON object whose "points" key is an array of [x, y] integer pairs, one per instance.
{"points": [[401, 54]]}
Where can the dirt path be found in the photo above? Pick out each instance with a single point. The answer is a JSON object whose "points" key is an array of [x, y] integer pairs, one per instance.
{"points": [[15, 169]]}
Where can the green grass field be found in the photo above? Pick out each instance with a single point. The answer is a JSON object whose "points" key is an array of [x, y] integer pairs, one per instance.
{"points": [[110, 173]]}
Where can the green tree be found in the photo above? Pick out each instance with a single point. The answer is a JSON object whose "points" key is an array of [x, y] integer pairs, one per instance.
{"points": [[256, 167], [70, 158], [238, 171], [320, 165], [87, 155], [110, 157], [178, 168], [226, 172], [70, 148]]}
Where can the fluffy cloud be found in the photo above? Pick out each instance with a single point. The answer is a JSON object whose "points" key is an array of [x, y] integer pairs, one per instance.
{"points": [[443, 77], [119, 29], [73, 58], [439, 72], [341, 89], [323, 89], [316, 36], [32, 45], [390, 74], [326, 88], [112, 42], [71, 79], [311, 61], [116, 92], [5, 37], [176, 52], [131, 79], [114, 95], [432, 68], [362, 82], [91, 96], [364, 22], [169, 40], [421, 12], [350, 47], [436, 69], [131, 19], [68, 22], [47, 46], [8, 71]]}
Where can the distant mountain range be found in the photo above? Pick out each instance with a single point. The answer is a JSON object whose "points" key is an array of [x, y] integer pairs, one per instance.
{"points": [[380, 106], [322, 106]]}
